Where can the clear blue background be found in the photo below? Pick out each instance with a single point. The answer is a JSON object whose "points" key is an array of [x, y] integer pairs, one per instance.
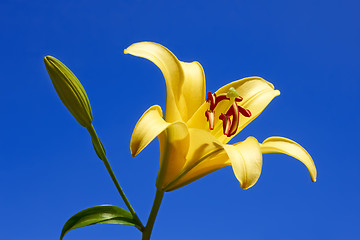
{"points": [[308, 49]]}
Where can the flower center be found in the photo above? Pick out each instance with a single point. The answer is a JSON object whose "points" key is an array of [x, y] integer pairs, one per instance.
{"points": [[232, 113]]}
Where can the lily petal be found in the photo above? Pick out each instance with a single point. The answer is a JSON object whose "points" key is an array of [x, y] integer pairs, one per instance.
{"points": [[173, 139], [193, 91], [200, 159], [245, 158], [291, 148], [216, 161], [149, 126], [246, 161], [257, 94], [202, 144], [185, 82], [174, 145]]}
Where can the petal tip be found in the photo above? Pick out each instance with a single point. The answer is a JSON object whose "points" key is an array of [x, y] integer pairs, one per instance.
{"points": [[135, 151], [135, 148], [246, 186], [313, 178], [132, 152]]}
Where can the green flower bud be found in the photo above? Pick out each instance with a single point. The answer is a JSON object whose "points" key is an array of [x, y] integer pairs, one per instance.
{"points": [[70, 91]]}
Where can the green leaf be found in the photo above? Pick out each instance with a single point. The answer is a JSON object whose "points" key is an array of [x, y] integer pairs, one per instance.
{"points": [[103, 214]]}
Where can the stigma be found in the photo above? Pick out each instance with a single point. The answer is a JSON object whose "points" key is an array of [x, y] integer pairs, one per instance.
{"points": [[229, 118]]}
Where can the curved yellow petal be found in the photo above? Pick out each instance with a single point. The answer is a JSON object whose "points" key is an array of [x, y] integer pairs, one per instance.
{"points": [[217, 161], [245, 158], [185, 82], [193, 91], [200, 159], [174, 145], [149, 126], [257, 94], [246, 161], [202, 143], [173, 139], [289, 147], [247, 87]]}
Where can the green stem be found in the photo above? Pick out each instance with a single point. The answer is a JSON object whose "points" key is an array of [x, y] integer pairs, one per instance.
{"points": [[100, 151], [154, 210], [121, 192]]}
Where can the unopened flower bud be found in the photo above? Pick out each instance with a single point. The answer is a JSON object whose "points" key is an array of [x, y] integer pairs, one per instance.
{"points": [[70, 91]]}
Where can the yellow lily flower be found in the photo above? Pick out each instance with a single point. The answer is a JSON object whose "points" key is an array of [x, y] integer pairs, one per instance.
{"points": [[194, 134]]}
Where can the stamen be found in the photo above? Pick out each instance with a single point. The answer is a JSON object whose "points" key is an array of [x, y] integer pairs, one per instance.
{"points": [[244, 112], [226, 124], [213, 99], [231, 118], [238, 99], [210, 115], [234, 112]]}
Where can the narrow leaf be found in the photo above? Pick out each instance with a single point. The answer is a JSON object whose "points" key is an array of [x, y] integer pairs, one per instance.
{"points": [[103, 214]]}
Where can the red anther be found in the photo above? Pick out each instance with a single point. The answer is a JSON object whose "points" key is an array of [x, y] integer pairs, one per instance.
{"points": [[221, 97], [235, 119], [210, 96], [226, 124], [238, 99], [244, 112], [210, 115], [213, 99], [234, 123]]}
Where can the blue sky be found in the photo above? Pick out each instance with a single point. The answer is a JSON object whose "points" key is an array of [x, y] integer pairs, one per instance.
{"points": [[308, 49]]}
